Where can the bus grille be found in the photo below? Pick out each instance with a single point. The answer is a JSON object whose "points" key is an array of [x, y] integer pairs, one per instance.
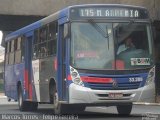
{"points": [[109, 86]]}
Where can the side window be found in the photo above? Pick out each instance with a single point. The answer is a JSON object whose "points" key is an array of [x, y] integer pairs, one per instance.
{"points": [[35, 44], [12, 46], [14, 51], [7, 53], [15, 44], [8, 47], [22, 46], [11, 56], [42, 45], [19, 43], [45, 41], [43, 34], [52, 42], [18, 50]]}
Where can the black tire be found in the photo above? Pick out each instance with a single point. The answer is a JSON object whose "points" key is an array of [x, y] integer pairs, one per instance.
{"points": [[81, 108], [57, 106], [76, 108], [23, 106], [33, 106], [124, 109], [60, 108]]}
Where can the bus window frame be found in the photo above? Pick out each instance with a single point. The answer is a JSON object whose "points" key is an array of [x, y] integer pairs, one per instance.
{"points": [[18, 50], [144, 21], [37, 43]]}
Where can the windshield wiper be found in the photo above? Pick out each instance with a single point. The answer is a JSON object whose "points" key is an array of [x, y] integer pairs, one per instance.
{"points": [[100, 30]]}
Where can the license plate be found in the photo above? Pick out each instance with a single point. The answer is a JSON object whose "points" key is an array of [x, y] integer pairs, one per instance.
{"points": [[115, 95]]}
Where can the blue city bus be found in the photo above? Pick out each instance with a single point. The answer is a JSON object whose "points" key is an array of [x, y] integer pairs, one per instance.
{"points": [[83, 55]]}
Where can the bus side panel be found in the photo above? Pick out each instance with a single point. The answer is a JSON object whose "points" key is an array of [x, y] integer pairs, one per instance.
{"points": [[43, 70], [18, 76], [46, 72], [13, 74], [9, 82], [35, 78]]}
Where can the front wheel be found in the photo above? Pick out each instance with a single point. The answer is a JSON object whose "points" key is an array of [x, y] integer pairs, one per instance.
{"points": [[33, 106], [124, 109], [59, 108], [76, 108]]}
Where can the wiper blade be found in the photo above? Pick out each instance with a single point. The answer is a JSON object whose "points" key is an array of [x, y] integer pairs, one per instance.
{"points": [[98, 28]]}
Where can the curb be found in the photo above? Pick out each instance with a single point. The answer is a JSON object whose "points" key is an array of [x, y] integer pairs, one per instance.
{"points": [[147, 104], [2, 95]]}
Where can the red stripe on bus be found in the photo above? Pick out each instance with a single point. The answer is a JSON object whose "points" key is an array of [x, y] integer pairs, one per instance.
{"points": [[96, 79], [26, 79], [69, 77], [28, 85], [93, 79], [55, 63]]}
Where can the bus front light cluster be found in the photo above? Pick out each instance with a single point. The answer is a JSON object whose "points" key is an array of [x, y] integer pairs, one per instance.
{"points": [[75, 77], [151, 76]]}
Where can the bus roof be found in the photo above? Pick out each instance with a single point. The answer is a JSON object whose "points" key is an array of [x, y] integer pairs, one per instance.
{"points": [[38, 24], [60, 14], [112, 5]]}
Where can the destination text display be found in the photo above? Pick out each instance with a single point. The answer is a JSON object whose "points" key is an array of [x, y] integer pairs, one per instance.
{"points": [[108, 12], [91, 12]]}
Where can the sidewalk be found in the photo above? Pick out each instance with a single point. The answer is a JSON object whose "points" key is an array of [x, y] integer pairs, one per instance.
{"points": [[2, 95], [4, 100], [145, 103]]}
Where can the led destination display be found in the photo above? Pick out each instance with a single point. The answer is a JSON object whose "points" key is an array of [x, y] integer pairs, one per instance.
{"points": [[108, 12], [93, 12]]}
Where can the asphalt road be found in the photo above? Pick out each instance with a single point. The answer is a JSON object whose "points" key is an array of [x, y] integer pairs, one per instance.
{"points": [[9, 111]]}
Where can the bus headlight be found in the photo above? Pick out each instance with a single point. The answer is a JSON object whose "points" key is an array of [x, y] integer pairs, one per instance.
{"points": [[151, 76], [75, 77]]}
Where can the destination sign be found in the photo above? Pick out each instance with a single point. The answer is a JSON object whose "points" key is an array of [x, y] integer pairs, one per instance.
{"points": [[93, 12], [109, 12]]}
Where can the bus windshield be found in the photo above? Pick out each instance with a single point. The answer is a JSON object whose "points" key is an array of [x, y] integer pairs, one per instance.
{"points": [[111, 46]]}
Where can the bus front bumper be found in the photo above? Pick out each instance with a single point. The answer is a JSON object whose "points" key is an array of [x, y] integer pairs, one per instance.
{"points": [[80, 94]]}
